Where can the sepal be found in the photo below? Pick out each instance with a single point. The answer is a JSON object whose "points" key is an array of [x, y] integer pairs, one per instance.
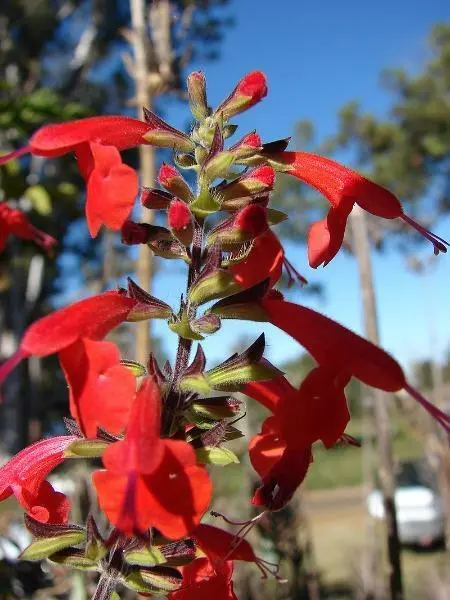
{"points": [[75, 558], [206, 324], [181, 325], [164, 135], [243, 368], [136, 368], [216, 456], [216, 284], [245, 305], [86, 449], [158, 580], [50, 538], [218, 166], [205, 203], [146, 556], [96, 548], [147, 306], [171, 249]]}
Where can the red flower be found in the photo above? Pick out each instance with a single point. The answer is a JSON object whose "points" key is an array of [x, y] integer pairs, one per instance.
{"points": [[343, 351], [25, 477], [249, 91], [281, 453], [264, 260], [90, 318], [343, 188], [203, 581], [95, 377], [15, 222], [221, 546], [96, 141], [148, 481]]}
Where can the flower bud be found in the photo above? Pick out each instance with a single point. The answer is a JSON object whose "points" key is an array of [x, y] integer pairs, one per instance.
{"points": [[246, 225], [247, 146], [196, 85], [171, 179], [249, 91], [255, 181], [180, 221], [155, 199], [142, 233]]}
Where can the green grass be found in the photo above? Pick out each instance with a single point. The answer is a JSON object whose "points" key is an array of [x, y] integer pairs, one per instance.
{"points": [[343, 466]]}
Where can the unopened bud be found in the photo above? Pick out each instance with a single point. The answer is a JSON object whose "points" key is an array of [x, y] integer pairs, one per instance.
{"points": [[257, 180], [196, 85], [171, 179], [180, 221], [142, 233], [246, 225], [249, 91], [249, 145]]}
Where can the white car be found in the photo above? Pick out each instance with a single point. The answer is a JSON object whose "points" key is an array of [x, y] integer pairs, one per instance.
{"points": [[419, 505]]}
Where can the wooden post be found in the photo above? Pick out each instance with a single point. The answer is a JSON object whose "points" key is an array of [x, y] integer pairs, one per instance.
{"points": [[361, 247]]}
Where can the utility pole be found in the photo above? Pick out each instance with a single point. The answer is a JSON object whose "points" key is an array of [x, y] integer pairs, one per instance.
{"points": [[361, 247], [146, 161]]}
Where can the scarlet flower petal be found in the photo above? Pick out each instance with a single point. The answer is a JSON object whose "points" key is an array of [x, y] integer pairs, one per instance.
{"points": [[132, 454], [25, 473], [46, 506], [280, 483], [15, 222], [343, 187], [220, 545], [111, 189], [204, 581], [269, 393], [265, 260], [95, 376], [60, 138], [91, 318], [332, 344], [325, 238], [266, 448], [173, 498]]}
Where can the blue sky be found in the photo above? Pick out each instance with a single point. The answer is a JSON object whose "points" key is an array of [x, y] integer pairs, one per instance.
{"points": [[316, 57]]}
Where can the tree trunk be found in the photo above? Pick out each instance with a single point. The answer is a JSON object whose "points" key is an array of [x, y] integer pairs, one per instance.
{"points": [[361, 248], [144, 266]]}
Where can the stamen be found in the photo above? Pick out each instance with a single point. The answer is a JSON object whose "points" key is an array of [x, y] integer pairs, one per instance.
{"points": [[440, 245], [293, 274], [441, 417]]}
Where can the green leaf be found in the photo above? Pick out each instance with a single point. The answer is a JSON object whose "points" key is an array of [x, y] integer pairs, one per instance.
{"points": [[216, 456], [40, 199], [146, 557], [44, 547]]}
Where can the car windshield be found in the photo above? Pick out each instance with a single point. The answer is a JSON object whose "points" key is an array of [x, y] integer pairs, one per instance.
{"points": [[412, 474]]}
